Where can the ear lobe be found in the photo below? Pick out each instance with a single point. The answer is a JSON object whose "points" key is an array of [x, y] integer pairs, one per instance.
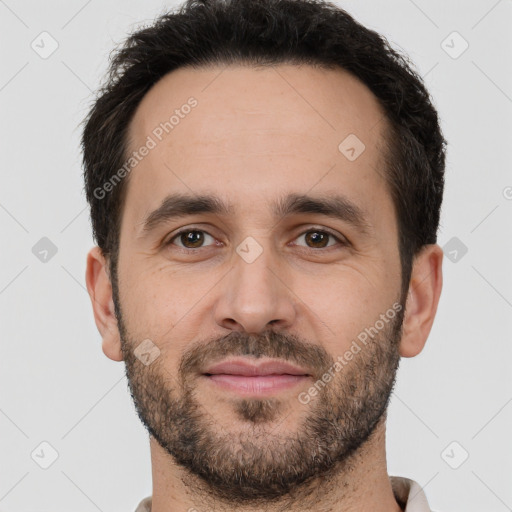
{"points": [[100, 293], [422, 299]]}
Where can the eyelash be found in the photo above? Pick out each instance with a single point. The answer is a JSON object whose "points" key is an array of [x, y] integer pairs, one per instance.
{"points": [[341, 242]]}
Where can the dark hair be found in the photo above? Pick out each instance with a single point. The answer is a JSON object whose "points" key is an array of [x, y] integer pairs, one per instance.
{"points": [[267, 32]]}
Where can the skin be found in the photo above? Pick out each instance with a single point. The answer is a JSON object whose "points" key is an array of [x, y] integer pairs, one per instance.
{"points": [[256, 135]]}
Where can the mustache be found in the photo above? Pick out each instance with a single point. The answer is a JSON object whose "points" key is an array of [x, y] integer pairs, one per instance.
{"points": [[271, 344]]}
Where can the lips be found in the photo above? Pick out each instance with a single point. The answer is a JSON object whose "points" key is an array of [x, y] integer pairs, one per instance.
{"points": [[264, 378], [246, 369]]}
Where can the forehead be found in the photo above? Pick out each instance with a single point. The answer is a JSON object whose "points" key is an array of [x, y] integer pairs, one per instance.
{"points": [[248, 133]]}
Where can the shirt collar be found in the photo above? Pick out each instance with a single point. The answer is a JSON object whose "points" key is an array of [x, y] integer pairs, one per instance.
{"points": [[408, 494]]}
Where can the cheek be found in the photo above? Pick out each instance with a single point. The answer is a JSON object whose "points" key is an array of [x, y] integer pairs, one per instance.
{"points": [[347, 303], [149, 303], [163, 305]]}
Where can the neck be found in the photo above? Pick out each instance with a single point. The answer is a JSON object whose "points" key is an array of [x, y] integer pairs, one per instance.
{"points": [[361, 483]]}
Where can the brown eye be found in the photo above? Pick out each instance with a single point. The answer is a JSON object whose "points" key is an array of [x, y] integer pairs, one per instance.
{"points": [[189, 239], [319, 239]]}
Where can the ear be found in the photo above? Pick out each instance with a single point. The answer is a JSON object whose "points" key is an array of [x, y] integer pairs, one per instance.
{"points": [[100, 292], [422, 299]]}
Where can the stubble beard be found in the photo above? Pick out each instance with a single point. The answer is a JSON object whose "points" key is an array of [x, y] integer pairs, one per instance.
{"points": [[255, 461]]}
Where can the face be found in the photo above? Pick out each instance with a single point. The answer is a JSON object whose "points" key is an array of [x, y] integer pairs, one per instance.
{"points": [[290, 257]]}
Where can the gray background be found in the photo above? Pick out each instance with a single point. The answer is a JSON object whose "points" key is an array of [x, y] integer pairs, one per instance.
{"points": [[58, 387]]}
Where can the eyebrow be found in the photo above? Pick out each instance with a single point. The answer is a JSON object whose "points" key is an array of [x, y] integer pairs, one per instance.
{"points": [[180, 205]]}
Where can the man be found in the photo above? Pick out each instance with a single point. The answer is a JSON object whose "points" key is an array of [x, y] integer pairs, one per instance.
{"points": [[265, 180]]}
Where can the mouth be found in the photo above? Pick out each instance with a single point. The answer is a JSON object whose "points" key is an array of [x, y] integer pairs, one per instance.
{"points": [[246, 378]]}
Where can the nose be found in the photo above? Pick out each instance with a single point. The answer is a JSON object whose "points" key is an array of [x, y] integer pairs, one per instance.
{"points": [[254, 296]]}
